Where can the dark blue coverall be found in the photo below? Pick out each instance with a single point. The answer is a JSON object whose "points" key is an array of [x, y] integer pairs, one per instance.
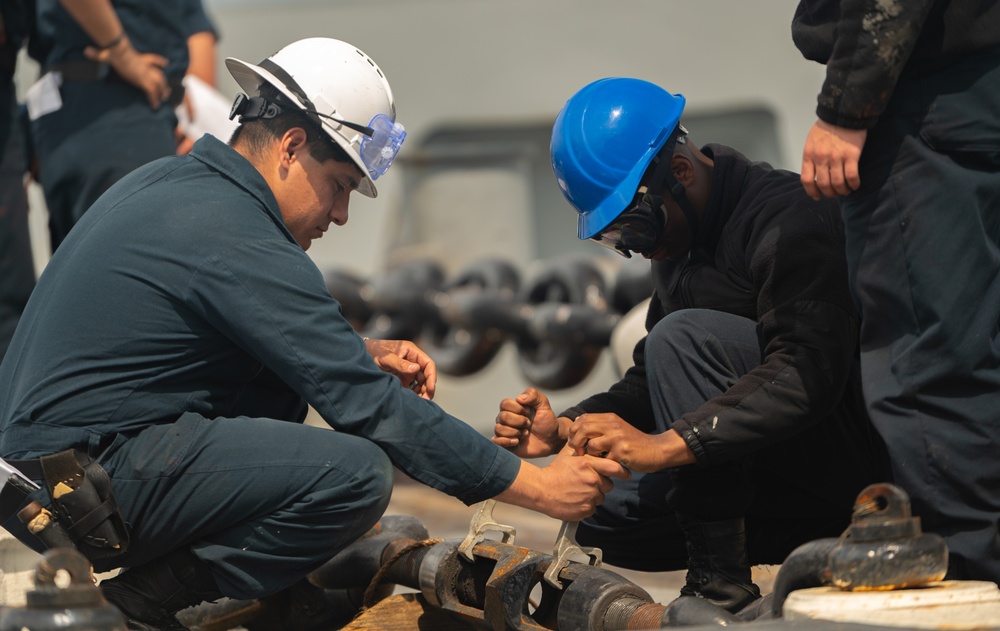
{"points": [[105, 127], [923, 246], [176, 336]]}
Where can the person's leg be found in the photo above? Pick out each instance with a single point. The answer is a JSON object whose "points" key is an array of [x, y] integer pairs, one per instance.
{"points": [[634, 527], [102, 132], [17, 267], [924, 253], [693, 356], [665, 521], [795, 491], [261, 502]]}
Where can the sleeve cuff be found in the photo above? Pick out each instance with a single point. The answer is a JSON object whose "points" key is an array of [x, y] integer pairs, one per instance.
{"points": [[498, 478], [689, 433]]}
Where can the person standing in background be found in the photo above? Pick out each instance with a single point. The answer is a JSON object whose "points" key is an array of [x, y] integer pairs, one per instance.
{"points": [[908, 138], [204, 109], [104, 105], [17, 271]]}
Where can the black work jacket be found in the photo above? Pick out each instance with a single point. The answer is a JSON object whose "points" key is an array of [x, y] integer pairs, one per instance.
{"points": [[769, 253], [867, 45]]}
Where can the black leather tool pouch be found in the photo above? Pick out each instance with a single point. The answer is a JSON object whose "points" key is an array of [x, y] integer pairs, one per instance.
{"points": [[84, 503]]}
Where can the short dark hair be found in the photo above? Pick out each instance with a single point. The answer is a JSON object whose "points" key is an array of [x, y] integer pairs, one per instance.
{"points": [[257, 135]]}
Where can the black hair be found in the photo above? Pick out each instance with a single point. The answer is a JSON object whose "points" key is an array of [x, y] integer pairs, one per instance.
{"points": [[257, 135]]}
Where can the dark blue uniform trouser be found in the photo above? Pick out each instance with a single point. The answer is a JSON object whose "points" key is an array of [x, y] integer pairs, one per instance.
{"points": [[263, 502], [104, 130], [17, 267], [800, 489], [923, 248]]}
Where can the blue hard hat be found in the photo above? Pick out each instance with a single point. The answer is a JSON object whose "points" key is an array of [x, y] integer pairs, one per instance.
{"points": [[603, 140]]}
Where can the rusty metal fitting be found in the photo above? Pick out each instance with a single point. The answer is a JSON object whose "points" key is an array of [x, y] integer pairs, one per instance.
{"points": [[884, 547]]}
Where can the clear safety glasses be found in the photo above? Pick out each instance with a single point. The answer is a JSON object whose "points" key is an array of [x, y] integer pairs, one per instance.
{"points": [[380, 142], [379, 148], [638, 229]]}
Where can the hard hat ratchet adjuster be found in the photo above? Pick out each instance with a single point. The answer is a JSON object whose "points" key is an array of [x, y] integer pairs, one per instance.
{"points": [[252, 108]]}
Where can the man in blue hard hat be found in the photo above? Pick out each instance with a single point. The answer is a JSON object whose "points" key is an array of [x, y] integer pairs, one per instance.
{"points": [[744, 408]]}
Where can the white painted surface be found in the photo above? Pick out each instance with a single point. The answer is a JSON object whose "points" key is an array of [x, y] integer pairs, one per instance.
{"points": [[952, 605], [17, 570]]}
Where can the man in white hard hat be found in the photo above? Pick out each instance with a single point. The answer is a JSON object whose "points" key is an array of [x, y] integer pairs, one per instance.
{"points": [[182, 325]]}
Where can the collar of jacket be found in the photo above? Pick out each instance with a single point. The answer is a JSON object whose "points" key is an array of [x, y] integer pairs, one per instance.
{"points": [[728, 180], [230, 163]]}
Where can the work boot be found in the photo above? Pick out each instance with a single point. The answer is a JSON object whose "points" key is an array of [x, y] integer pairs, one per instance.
{"points": [[150, 595], [718, 570]]}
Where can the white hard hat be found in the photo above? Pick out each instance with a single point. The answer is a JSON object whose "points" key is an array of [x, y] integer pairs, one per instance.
{"points": [[346, 91]]}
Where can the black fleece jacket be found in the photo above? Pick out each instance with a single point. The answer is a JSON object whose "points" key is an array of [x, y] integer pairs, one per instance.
{"points": [[769, 253], [868, 44]]}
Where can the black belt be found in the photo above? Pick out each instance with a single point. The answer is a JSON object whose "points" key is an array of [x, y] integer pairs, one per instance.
{"points": [[83, 70], [32, 469], [87, 70]]}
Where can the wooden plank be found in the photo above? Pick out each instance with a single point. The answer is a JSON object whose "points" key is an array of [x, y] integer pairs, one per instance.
{"points": [[406, 612]]}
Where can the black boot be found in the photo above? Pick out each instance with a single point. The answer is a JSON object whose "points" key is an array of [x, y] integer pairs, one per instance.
{"points": [[151, 594], [718, 570]]}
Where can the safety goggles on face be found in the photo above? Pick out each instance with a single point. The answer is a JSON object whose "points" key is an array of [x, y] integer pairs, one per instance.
{"points": [[639, 229]]}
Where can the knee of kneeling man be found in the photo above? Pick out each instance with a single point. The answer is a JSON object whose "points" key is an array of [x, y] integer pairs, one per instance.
{"points": [[382, 474], [377, 474], [685, 324]]}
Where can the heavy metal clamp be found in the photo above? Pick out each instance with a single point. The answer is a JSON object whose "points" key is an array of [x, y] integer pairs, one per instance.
{"points": [[483, 522], [565, 550]]}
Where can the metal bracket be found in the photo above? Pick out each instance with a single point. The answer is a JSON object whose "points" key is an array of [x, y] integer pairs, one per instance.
{"points": [[483, 522], [565, 549]]}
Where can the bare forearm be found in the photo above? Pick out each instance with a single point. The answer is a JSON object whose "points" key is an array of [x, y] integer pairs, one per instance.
{"points": [[609, 436], [97, 18], [201, 54], [524, 491], [675, 451], [569, 488], [563, 432]]}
